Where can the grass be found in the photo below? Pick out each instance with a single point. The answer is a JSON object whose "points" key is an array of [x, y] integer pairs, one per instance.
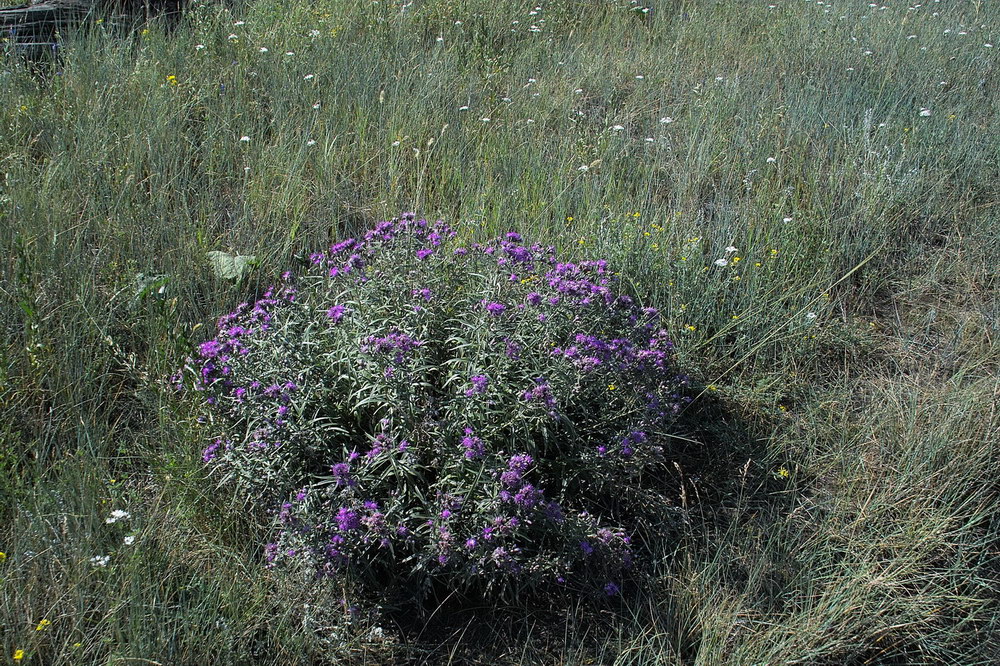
{"points": [[846, 512]]}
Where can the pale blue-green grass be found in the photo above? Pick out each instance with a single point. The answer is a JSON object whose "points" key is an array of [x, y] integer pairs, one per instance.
{"points": [[846, 359]]}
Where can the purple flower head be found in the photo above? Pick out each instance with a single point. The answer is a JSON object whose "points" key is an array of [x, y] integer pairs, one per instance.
{"points": [[586, 548], [541, 392], [534, 298], [516, 468], [495, 309], [424, 293], [342, 474], [479, 383], [512, 350], [528, 497], [336, 313], [210, 349], [396, 343], [473, 446], [630, 440], [423, 253], [211, 451], [611, 589], [347, 519]]}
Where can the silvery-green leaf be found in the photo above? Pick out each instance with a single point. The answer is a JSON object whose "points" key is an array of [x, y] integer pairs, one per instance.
{"points": [[231, 266]]}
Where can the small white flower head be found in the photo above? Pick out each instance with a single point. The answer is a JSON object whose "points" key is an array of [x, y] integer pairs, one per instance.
{"points": [[289, 53], [117, 515], [649, 139], [316, 105], [463, 108], [721, 262], [578, 91], [811, 315], [720, 78], [244, 139], [987, 45], [439, 39], [787, 219], [239, 23], [640, 77], [129, 540], [263, 49], [100, 560], [308, 77], [485, 119], [311, 142], [731, 249], [532, 80], [199, 47], [395, 143], [925, 112], [584, 168], [505, 100], [772, 160], [314, 33], [617, 128], [666, 120], [234, 37]]}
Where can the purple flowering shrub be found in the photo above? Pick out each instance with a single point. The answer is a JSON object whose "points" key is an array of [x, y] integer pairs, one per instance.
{"points": [[421, 412]]}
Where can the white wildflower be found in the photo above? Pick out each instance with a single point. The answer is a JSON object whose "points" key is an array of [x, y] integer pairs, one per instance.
{"points": [[118, 514]]}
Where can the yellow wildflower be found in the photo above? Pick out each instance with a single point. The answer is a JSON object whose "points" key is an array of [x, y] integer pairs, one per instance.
{"points": [[42, 625], [18, 655]]}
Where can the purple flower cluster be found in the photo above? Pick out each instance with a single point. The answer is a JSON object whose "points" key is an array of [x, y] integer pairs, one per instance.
{"points": [[505, 348], [479, 384], [542, 393], [474, 447], [396, 345]]}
